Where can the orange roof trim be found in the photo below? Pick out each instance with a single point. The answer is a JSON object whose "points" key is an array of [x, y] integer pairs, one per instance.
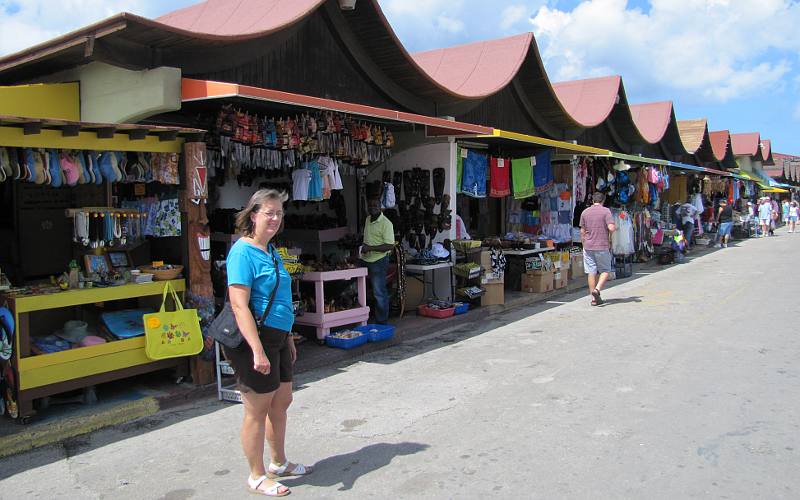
{"points": [[194, 90]]}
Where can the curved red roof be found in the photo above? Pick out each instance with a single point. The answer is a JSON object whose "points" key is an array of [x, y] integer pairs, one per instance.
{"points": [[766, 152], [476, 69], [589, 102], [720, 143], [239, 18], [745, 144], [652, 119]]}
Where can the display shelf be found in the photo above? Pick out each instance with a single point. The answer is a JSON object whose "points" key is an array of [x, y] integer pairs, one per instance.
{"points": [[428, 269], [531, 251], [47, 374], [317, 237], [30, 303], [323, 322]]}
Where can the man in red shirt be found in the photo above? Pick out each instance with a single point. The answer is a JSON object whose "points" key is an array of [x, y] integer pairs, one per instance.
{"points": [[597, 224]]}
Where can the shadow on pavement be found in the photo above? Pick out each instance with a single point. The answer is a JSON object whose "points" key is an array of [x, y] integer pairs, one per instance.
{"points": [[346, 469], [626, 300]]}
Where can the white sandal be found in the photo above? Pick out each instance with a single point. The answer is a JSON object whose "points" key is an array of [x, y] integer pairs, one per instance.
{"points": [[272, 491], [274, 470]]}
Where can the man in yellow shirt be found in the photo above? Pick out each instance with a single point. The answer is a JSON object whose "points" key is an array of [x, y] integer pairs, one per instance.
{"points": [[378, 245]]}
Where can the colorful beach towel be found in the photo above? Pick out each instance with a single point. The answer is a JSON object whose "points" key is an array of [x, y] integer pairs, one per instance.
{"points": [[543, 172], [522, 178]]}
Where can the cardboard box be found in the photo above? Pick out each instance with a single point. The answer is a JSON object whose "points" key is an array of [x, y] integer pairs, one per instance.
{"points": [[490, 277], [495, 294], [560, 280], [537, 281], [484, 258], [576, 267], [414, 293]]}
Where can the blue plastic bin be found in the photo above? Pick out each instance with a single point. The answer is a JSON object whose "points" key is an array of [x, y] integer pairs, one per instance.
{"points": [[376, 333], [346, 343], [461, 307]]}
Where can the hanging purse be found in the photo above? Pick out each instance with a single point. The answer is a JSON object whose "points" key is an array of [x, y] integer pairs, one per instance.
{"points": [[172, 334], [224, 328]]}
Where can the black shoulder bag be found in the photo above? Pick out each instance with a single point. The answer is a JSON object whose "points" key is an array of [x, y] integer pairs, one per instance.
{"points": [[224, 328]]}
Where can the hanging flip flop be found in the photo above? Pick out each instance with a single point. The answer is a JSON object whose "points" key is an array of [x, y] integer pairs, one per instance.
{"points": [[94, 158], [54, 168]]}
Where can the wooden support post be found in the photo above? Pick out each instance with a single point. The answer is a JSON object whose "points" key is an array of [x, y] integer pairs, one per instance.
{"points": [[199, 241]]}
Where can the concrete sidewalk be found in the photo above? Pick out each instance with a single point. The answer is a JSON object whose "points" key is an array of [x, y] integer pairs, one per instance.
{"points": [[146, 396]]}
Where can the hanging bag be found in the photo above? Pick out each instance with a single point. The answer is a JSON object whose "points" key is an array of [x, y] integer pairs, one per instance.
{"points": [[171, 334], [224, 328]]}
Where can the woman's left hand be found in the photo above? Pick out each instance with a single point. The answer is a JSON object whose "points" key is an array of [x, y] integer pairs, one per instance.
{"points": [[292, 349]]}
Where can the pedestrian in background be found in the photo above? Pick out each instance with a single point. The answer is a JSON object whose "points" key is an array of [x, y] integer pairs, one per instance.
{"points": [[773, 218], [785, 211], [794, 212], [725, 220], [597, 224], [764, 216], [687, 212]]}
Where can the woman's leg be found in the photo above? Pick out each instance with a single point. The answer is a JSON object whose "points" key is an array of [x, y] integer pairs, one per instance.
{"points": [[256, 408], [276, 422]]}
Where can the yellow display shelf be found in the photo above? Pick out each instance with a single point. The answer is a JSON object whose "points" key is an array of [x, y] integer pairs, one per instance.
{"points": [[62, 369], [44, 360], [45, 374], [93, 295]]}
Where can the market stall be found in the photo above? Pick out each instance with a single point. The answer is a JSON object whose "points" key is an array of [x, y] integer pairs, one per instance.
{"points": [[91, 248]]}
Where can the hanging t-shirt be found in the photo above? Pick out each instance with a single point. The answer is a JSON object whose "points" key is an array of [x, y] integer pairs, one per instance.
{"points": [[300, 180], [315, 183], [333, 171], [543, 172], [474, 175], [500, 179], [522, 176]]}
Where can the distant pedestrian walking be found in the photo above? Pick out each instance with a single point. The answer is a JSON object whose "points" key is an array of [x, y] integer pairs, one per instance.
{"points": [[687, 213], [785, 211], [597, 224], [794, 211], [773, 218], [725, 220], [764, 215]]}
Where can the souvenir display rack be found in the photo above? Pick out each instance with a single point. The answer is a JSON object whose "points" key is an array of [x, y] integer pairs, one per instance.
{"points": [[46, 374]]}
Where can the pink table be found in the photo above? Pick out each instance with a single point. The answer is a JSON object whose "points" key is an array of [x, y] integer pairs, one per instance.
{"points": [[323, 322]]}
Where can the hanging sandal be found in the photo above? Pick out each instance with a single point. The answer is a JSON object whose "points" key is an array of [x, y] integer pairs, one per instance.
{"points": [[272, 491], [275, 471], [596, 299]]}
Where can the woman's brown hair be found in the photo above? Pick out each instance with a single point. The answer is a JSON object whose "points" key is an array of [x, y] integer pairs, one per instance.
{"points": [[244, 224]]}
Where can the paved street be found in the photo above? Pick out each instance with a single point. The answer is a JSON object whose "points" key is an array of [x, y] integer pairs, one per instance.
{"points": [[684, 385]]}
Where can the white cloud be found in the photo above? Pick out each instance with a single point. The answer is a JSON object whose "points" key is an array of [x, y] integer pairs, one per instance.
{"points": [[511, 15], [707, 49], [23, 24], [449, 24]]}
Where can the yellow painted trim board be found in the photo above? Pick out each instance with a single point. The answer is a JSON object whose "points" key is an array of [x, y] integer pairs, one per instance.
{"points": [[78, 353], [47, 433], [81, 368], [542, 141], [42, 100], [15, 137], [640, 159], [92, 295]]}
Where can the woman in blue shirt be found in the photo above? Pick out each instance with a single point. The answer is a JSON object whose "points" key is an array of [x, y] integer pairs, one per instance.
{"points": [[263, 363]]}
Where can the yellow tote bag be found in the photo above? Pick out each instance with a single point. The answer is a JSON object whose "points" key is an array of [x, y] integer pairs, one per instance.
{"points": [[170, 334]]}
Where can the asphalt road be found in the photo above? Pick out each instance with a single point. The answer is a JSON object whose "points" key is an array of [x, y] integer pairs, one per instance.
{"points": [[683, 385]]}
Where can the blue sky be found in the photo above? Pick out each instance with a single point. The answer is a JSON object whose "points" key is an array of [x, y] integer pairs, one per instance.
{"points": [[734, 62]]}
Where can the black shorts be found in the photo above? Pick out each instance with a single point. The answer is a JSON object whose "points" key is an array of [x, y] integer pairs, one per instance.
{"points": [[276, 347]]}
